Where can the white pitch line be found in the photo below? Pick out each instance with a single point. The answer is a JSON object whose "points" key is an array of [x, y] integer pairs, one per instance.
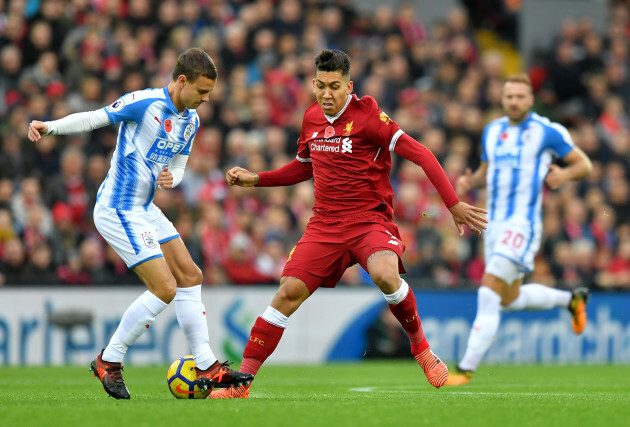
{"points": [[379, 390]]}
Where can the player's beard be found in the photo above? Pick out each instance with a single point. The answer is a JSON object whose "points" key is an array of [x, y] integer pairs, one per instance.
{"points": [[517, 116]]}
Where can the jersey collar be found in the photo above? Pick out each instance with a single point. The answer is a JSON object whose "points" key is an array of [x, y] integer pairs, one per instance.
{"points": [[169, 102], [331, 119], [524, 122]]}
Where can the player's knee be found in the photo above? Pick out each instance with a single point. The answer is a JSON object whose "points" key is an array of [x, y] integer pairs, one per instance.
{"points": [[290, 296], [166, 290], [193, 275], [385, 278], [189, 275]]}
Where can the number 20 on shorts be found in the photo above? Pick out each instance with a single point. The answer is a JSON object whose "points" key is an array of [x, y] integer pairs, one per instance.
{"points": [[510, 238]]}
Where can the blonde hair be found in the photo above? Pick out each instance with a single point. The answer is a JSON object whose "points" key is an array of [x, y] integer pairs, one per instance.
{"points": [[519, 78]]}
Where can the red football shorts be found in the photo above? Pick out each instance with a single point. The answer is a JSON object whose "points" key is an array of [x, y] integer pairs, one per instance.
{"points": [[327, 248]]}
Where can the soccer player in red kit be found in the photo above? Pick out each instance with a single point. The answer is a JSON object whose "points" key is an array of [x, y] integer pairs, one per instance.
{"points": [[345, 145]]}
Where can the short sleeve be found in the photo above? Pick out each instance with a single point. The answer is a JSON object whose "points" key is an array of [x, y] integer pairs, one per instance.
{"points": [[380, 127], [128, 108], [558, 139], [304, 153], [484, 152]]}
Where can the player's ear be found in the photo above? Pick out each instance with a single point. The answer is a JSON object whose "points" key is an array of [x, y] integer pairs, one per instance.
{"points": [[349, 87], [181, 80]]}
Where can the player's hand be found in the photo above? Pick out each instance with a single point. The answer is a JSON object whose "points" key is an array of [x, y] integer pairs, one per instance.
{"points": [[241, 177], [36, 130], [165, 179], [556, 177], [469, 216], [464, 183]]}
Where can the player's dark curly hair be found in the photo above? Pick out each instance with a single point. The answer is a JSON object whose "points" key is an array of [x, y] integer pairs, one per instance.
{"points": [[333, 60], [194, 63]]}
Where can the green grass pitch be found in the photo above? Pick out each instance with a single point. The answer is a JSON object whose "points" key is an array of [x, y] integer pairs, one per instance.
{"points": [[389, 394]]}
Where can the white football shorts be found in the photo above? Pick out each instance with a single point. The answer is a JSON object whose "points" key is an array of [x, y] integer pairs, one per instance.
{"points": [[135, 235], [510, 248]]}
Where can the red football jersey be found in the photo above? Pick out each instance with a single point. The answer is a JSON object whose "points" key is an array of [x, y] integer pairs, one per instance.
{"points": [[350, 154]]}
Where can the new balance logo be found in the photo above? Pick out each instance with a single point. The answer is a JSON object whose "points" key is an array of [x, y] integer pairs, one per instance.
{"points": [[393, 242], [346, 145], [412, 318]]}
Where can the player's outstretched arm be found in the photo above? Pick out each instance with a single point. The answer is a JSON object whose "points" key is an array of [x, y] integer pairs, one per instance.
{"points": [[469, 216], [74, 123], [241, 177], [36, 130]]}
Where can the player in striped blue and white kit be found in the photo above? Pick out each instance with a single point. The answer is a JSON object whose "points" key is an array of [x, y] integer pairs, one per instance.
{"points": [[516, 161], [155, 137]]}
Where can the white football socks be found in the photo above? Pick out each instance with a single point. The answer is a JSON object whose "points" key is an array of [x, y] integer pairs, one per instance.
{"points": [[191, 316], [138, 317], [276, 318], [399, 295], [484, 328], [535, 296]]}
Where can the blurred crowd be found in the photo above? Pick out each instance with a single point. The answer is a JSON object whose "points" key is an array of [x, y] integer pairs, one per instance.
{"points": [[58, 57]]}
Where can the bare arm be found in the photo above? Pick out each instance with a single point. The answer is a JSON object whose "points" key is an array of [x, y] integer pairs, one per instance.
{"points": [[241, 177], [578, 166]]}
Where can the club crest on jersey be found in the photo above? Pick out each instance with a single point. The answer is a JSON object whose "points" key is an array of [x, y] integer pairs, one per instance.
{"points": [[149, 241], [348, 129], [329, 132], [117, 105], [385, 118], [188, 131]]}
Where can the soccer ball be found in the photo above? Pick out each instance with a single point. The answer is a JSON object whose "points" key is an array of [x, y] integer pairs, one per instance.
{"points": [[182, 379]]}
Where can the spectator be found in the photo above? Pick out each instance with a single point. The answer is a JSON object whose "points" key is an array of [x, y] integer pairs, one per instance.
{"points": [[13, 265], [39, 269]]}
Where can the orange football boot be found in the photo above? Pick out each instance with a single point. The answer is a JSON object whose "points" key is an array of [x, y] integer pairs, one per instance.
{"points": [[110, 375], [435, 370], [459, 377], [220, 375], [240, 392], [577, 307]]}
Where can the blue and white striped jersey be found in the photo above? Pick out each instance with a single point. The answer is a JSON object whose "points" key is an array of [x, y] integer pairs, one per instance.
{"points": [[518, 159], [152, 133]]}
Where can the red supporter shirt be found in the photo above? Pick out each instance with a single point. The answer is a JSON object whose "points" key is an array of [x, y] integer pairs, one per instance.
{"points": [[351, 160]]}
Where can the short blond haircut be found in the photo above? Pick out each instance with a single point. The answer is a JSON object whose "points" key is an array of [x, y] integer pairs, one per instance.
{"points": [[519, 78]]}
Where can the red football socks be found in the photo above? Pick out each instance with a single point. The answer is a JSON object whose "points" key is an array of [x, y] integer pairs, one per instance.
{"points": [[263, 340], [406, 312]]}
